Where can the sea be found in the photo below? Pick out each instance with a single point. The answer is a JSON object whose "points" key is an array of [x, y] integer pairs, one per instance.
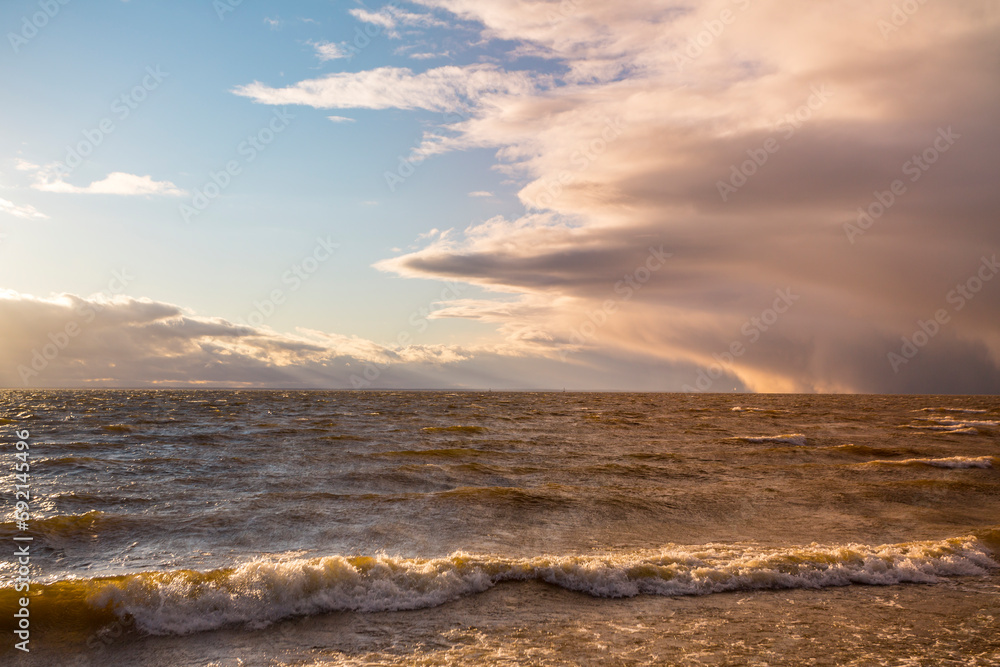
{"points": [[315, 528]]}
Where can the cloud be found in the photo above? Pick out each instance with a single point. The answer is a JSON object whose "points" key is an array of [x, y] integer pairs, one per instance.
{"points": [[66, 340], [427, 55], [480, 193], [441, 89], [326, 51], [26, 211], [389, 18], [747, 140], [116, 183], [72, 341], [382, 18], [340, 119], [629, 152]]}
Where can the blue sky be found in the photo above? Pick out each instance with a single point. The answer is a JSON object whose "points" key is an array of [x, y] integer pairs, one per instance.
{"points": [[317, 178], [605, 196]]}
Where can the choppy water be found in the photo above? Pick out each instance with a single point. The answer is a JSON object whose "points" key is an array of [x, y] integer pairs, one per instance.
{"points": [[342, 528]]}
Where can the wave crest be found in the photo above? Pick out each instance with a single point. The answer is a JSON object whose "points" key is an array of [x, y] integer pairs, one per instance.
{"points": [[948, 462], [263, 591]]}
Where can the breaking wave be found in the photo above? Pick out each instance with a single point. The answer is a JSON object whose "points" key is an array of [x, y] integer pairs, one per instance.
{"points": [[949, 462], [262, 591]]}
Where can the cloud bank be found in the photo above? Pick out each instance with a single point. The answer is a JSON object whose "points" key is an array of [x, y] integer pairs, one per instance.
{"points": [[845, 156], [110, 340]]}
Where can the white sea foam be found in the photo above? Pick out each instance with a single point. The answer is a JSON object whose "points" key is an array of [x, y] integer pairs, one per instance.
{"points": [[956, 427], [949, 462], [950, 421], [951, 410], [949, 424], [264, 590]]}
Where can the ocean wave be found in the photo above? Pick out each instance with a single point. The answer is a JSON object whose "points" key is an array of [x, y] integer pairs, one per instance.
{"points": [[550, 495], [951, 421], [949, 462], [455, 429], [450, 453], [265, 590], [948, 424], [68, 461], [951, 410], [790, 438], [654, 456], [867, 450], [56, 445], [66, 525], [612, 419], [957, 428], [91, 500]]}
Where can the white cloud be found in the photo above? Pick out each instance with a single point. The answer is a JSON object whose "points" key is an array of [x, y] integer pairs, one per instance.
{"points": [[429, 55], [116, 183], [330, 51], [441, 89], [26, 211], [340, 119], [480, 193], [382, 18], [391, 17]]}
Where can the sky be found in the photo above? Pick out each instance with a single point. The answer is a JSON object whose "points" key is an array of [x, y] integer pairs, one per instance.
{"points": [[718, 196]]}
